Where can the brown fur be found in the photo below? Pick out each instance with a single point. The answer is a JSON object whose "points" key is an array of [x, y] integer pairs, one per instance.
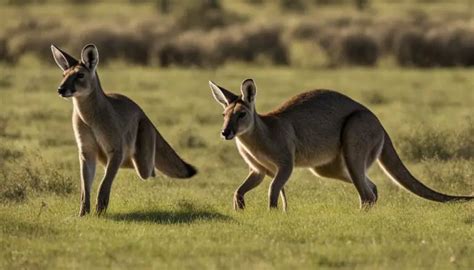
{"points": [[325, 131], [112, 129]]}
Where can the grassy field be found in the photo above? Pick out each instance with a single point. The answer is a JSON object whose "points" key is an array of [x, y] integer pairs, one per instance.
{"points": [[164, 223]]}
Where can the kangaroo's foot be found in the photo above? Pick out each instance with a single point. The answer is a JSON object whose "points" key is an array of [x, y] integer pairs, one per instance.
{"points": [[85, 209], [102, 204], [239, 202], [367, 202]]}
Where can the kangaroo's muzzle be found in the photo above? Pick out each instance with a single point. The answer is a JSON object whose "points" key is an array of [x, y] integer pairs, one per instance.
{"points": [[227, 134], [65, 92]]}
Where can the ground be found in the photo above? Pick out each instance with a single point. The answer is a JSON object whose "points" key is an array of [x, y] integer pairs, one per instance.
{"points": [[163, 223]]}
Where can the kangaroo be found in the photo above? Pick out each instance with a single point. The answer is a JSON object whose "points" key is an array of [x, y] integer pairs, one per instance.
{"points": [[111, 128], [323, 130]]}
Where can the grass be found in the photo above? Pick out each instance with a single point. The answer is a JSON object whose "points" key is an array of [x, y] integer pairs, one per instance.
{"points": [[164, 223]]}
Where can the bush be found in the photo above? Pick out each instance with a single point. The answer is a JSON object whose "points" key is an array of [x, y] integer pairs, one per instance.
{"points": [[426, 143], [188, 49], [246, 43], [358, 48], [353, 47], [36, 42], [205, 15], [4, 55], [114, 44], [256, 41], [190, 41], [34, 36], [461, 45], [306, 30], [22, 176], [410, 48], [447, 46]]}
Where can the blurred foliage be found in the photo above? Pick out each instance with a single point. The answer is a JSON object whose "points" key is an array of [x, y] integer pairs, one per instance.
{"points": [[209, 33]]}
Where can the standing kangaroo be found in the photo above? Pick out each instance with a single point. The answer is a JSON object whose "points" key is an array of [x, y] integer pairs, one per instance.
{"points": [[325, 131], [111, 128]]}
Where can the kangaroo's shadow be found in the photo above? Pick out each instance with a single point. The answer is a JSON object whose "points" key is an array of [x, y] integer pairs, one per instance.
{"points": [[182, 215]]}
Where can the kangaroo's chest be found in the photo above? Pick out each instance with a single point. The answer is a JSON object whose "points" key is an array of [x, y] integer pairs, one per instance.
{"points": [[258, 159], [104, 138]]}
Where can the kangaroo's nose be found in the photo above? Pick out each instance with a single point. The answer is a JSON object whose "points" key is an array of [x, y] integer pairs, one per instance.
{"points": [[225, 133], [61, 90]]}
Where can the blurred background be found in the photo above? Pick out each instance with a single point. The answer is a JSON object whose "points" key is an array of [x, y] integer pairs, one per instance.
{"points": [[211, 33]]}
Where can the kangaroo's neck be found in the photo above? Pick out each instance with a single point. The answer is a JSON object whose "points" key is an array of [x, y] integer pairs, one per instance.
{"points": [[92, 106], [257, 134]]}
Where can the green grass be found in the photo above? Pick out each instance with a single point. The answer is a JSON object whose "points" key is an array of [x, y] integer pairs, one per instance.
{"points": [[163, 223]]}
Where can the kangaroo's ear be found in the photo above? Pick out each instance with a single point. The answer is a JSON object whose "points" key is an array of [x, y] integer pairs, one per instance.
{"points": [[223, 96], [249, 90], [62, 59], [90, 56]]}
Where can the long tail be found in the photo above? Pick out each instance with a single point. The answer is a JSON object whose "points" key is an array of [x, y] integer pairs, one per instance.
{"points": [[168, 162], [394, 167]]}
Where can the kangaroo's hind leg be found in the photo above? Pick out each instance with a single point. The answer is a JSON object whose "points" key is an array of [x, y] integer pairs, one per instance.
{"points": [[362, 139], [144, 157], [337, 169]]}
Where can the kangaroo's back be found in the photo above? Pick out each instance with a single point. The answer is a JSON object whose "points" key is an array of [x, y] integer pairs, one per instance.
{"points": [[125, 108], [317, 118]]}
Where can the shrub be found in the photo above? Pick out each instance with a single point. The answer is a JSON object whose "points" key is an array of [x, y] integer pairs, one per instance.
{"points": [[205, 15], [258, 40], [461, 45], [409, 48], [353, 47], [22, 176], [446, 46], [188, 49], [358, 48], [34, 36], [114, 44], [205, 49], [423, 143], [36, 42], [305, 30], [4, 55]]}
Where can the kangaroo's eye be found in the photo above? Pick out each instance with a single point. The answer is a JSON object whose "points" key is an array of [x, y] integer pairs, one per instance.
{"points": [[80, 75], [242, 115]]}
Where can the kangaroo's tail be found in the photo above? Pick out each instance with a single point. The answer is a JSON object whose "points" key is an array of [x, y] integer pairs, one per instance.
{"points": [[394, 167], [168, 162]]}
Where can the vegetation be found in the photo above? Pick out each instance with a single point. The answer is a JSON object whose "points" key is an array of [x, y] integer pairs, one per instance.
{"points": [[212, 33]]}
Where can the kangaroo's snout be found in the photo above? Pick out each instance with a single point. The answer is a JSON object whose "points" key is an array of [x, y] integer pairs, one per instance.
{"points": [[61, 90], [227, 134], [65, 92]]}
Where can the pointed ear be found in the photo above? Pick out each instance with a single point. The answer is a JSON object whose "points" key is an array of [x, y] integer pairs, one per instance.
{"points": [[223, 96], [90, 56], [249, 90], [62, 59]]}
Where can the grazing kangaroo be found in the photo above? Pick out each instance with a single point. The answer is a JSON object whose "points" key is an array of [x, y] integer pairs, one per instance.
{"points": [[111, 128], [325, 131]]}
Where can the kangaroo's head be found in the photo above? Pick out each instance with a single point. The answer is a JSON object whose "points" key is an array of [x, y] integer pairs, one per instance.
{"points": [[239, 110], [78, 76]]}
